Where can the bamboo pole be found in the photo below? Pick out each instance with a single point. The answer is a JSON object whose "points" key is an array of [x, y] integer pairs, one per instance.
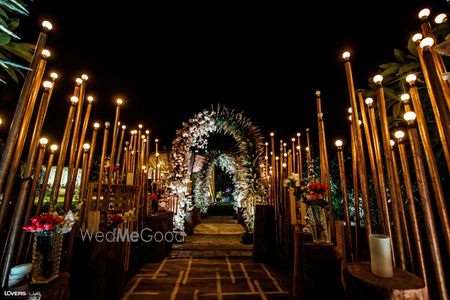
{"points": [[32, 80], [412, 205], [380, 195], [266, 160], [343, 181], [102, 165], [92, 149], [48, 168], [430, 226], [390, 171], [324, 167], [119, 149], [273, 177], [355, 190], [300, 162]]}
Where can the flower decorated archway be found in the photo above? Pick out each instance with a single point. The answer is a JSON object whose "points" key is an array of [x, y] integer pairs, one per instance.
{"points": [[248, 161]]}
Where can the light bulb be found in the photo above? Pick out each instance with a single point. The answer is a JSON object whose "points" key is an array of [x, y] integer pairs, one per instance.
{"points": [[378, 78], [411, 78], [147, 132], [346, 55], [307, 149], [359, 122], [96, 125], [424, 13], [86, 146], [409, 116], [404, 97], [298, 134], [144, 167], [277, 158], [47, 85], [267, 144], [54, 147], [78, 81], [298, 147], [369, 101], [140, 126], [90, 99], [440, 18], [399, 134], [338, 143], [119, 101], [143, 136], [293, 140], [43, 141], [284, 144], [285, 154], [84, 77], [426, 42], [124, 127], [349, 110], [156, 140], [45, 53], [107, 124], [47, 25], [349, 118], [284, 165], [417, 37], [272, 134], [74, 99], [392, 143], [54, 75], [317, 93]]}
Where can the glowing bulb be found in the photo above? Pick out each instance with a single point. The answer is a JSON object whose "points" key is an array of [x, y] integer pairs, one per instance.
{"points": [[272, 134], [90, 99], [54, 75], [369, 101], [293, 140], [124, 127], [317, 93], [284, 144], [54, 147], [417, 37], [140, 126], [267, 144], [147, 132], [156, 140], [285, 154], [424, 13], [78, 81], [404, 97], [47, 85], [338, 143], [277, 158], [426, 42], [346, 55], [298, 147], [284, 165], [409, 116], [359, 122], [378, 78], [349, 118], [440, 18], [119, 101], [74, 99], [298, 134], [392, 143], [96, 125], [349, 110], [45, 53], [411, 78], [107, 124], [84, 77], [157, 153], [43, 141], [399, 134], [143, 136], [307, 149], [144, 167], [86, 146], [47, 25]]}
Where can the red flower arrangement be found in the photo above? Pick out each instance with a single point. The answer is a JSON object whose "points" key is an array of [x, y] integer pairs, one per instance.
{"points": [[115, 219], [48, 223], [315, 194], [318, 188], [153, 197]]}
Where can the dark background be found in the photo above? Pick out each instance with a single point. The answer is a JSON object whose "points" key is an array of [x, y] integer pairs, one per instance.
{"points": [[170, 61]]}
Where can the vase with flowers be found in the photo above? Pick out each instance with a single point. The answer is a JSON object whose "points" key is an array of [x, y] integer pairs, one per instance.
{"points": [[317, 210], [48, 229]]}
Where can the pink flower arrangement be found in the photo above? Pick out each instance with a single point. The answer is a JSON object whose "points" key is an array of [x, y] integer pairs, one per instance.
{"points": [[48, 223]]}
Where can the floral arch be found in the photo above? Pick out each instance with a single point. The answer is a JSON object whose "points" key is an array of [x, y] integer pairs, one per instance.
{"points": [[248, 160]]}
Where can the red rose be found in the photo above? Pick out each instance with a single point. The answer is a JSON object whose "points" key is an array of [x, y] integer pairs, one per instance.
{"points": [[29, 228], [35, 220], [39, 228], [58, 220], [48, 226]]}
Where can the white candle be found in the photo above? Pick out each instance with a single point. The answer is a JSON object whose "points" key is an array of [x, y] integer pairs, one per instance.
{"points": [[380, 255]]}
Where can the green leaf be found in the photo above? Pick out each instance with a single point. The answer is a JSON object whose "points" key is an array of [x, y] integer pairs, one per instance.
{"points": [[396, 109], [4, 29], [13, 7], [4, 14], [389, 65], [412, 47], [400, 56], [19, 50], [4, 39], [388, 72]]}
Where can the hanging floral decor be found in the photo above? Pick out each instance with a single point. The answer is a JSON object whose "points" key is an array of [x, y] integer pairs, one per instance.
{"points": [[250, 185]]}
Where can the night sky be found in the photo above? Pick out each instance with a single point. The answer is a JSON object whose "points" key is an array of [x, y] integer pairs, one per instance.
{"points": [[170, 61]]}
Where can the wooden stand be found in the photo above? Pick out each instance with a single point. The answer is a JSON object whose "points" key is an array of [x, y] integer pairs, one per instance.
{"points": [[363, 284], [264, 249]]}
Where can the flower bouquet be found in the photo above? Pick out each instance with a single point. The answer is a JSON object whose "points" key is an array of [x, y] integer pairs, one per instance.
{"points": [[48, 229], [317, 210]]}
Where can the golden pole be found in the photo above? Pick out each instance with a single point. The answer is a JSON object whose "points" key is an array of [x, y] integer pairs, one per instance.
{"points": [[9, 175], [134, 154], [358, 145], [429, 156], [266, 158], [119, 149], [355, 189], [379, 165], [273, 177], [379, 195], [300, 165], [390, 170], [430, 226], [84, 180], [92, 150], [399, 135], [401, 208], [80, 86], [308, 150], [31, 197], [157, 161], [324, 167], [440, 118], [343, 181], [62, 155], [43, 190], [294, 164], [102, 165], [147, 150], [31, 83], [113, 150]]}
